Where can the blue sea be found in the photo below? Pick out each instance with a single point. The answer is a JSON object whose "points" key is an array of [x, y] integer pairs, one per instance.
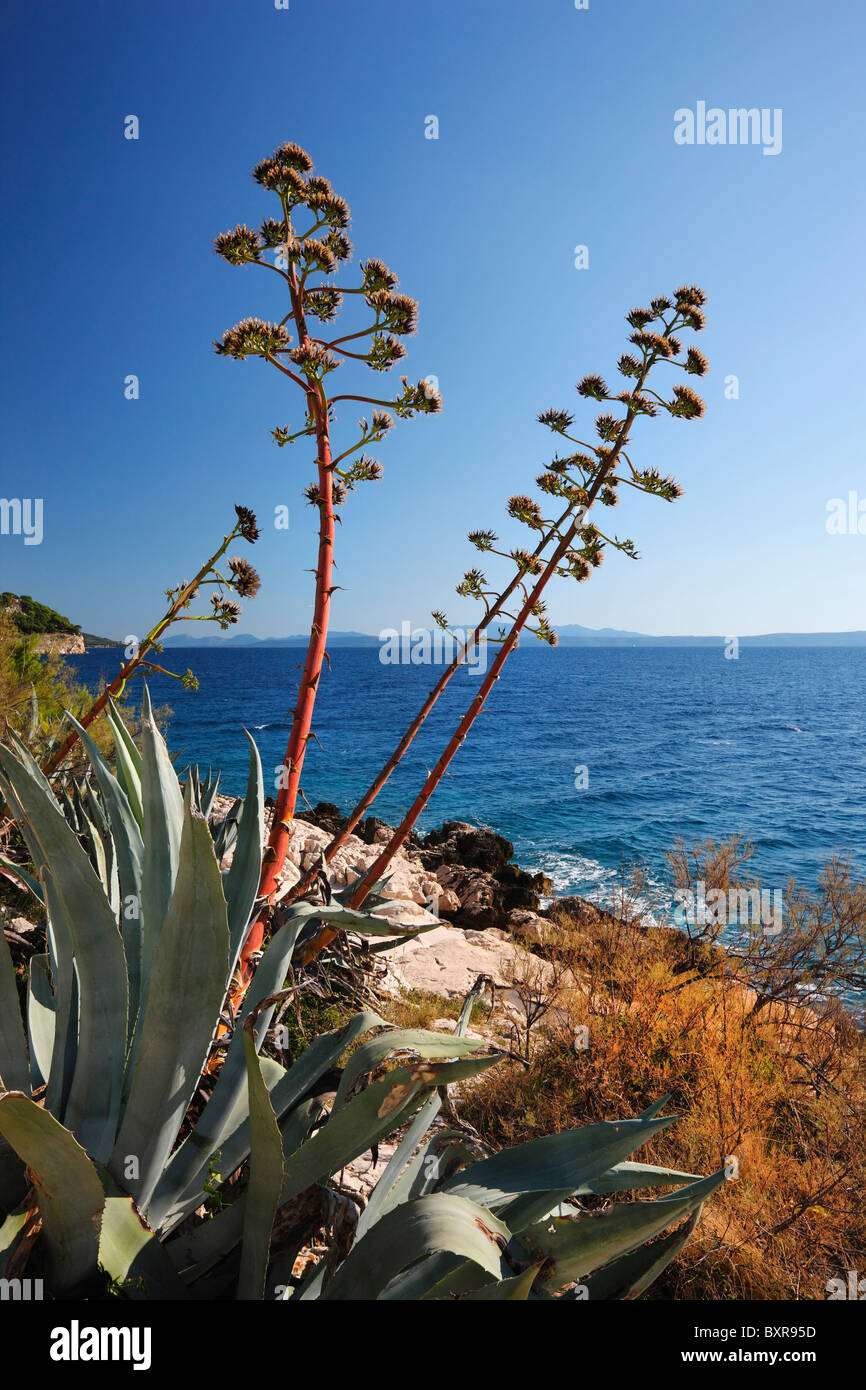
{"points": [[675, 742]]}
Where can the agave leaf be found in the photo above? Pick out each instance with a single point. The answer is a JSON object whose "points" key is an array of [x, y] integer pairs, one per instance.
{"points": [[533, 1206], [379, 1109], [630, 1275], [572, 1249], [130, 1252], [625, 1176], [10, 1230], [208, 792], [347, 919], [224, 1125], [195, 1252], [422, 1041], [129, 764], [516, 1289], [392, 1187], [226, 832], [41, 1020], [82, 919], [184, 1000], [227, 1107], [556, 1163], [70, 1193], [266, 1177], [414, 1231], [14, 1061], [29, 762], [129, 848], [163, 827], [242, 879]]}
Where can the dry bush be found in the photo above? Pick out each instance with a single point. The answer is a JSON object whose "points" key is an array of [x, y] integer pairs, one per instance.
{"points": [[780, 1087]]}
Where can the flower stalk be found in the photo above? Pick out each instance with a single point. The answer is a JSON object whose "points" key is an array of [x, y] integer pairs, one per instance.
{"points": [[583, 478]]}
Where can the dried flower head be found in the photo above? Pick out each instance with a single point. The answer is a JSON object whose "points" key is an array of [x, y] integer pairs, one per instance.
{"points": [[693, 317], [317, 255], [323, 302], [314, 359], [377, 276], [422, 397], [526, 563], [696, 363], [690, 294], [253, 337], [524, 509], [472, 584], [483, 540], [607, 426], [652, 482], [592, 387], [687, 404], [247, 525], [225, 610], [245, 579], [384, 351], [628, 365], [551, 483], [639, 318], [399, 313], [238, 247], [274, 233], [338, 244], [557, 420]]}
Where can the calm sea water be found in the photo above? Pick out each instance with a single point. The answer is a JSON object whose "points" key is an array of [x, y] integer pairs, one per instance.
{"points": [[676, 741]]}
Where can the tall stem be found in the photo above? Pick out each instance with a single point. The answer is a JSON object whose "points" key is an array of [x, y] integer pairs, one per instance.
{"points": [[302, 716], [147, 645], [396, 757], [374, 873]]}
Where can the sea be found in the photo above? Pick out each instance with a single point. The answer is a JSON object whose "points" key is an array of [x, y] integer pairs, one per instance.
{"points": [[590, 760]]}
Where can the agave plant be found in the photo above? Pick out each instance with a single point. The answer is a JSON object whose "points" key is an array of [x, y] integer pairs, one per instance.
{"points": [[105, 1146], [109, 1145]]}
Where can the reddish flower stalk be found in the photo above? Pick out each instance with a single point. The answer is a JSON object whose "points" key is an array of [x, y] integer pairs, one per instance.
{"points": [[406, 741], [374, 873], [604, 480], [300, 255]]}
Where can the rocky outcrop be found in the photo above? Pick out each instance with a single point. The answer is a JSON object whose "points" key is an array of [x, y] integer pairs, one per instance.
{"points": [[59, 644], [463, 869]]}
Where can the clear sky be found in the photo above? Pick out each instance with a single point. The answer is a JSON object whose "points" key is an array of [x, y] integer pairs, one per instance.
{"points": [[556, 129]]}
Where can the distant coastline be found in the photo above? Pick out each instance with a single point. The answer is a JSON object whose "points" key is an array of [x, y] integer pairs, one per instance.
{"points": [[570, 635]]}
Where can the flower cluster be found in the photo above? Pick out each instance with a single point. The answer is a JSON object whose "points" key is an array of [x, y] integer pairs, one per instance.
{"points": [[253, 337]]}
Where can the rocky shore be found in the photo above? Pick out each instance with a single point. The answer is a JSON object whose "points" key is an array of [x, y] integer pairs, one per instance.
{"points": [[459, 881]]}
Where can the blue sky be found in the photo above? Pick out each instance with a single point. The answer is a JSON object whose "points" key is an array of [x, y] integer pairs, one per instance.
{"points": [[555, 130]]}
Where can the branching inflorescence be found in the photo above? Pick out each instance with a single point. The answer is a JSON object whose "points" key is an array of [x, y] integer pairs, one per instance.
{"points": [[309, 245], [566, 544], [237, 576]]}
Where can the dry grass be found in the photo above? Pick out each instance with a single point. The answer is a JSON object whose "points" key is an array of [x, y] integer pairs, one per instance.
{"points": [[781, 1089]]}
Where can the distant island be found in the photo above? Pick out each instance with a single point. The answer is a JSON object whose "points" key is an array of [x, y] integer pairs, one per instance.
{"points": [[50, 630], [570, 635]]}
